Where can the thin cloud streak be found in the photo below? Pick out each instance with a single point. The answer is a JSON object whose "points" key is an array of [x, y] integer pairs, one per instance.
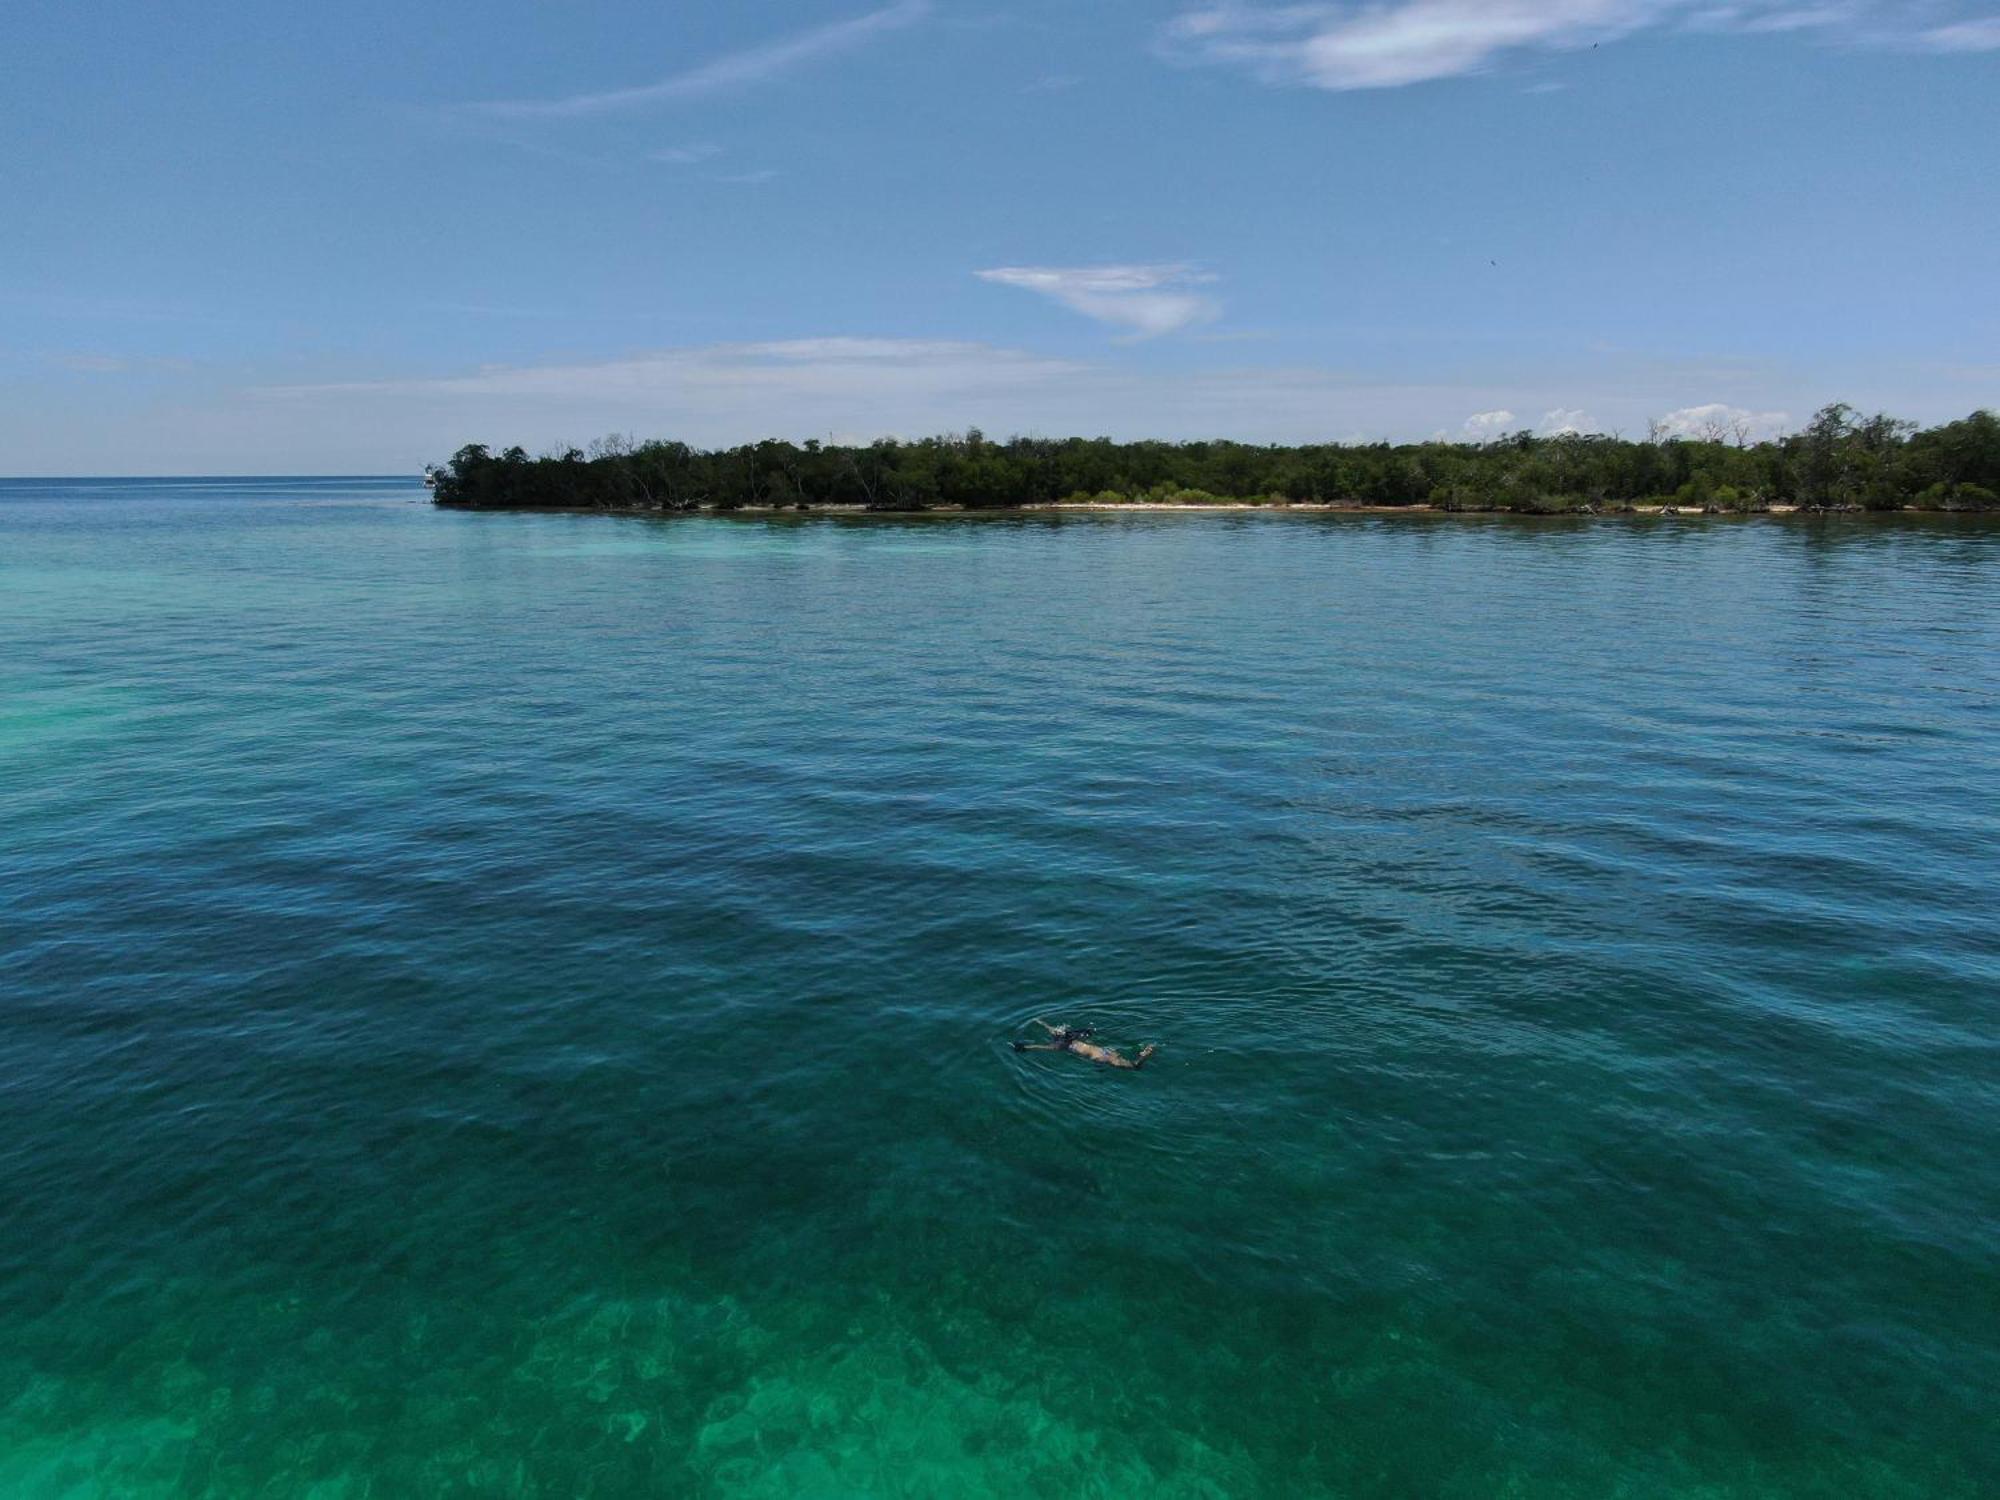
{"points": [[1342, 47], [1967, 36], [875, 369], [686, 156], [1147, 300], [737, 70]]}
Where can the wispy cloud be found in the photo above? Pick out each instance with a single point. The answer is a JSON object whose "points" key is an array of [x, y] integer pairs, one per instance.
{"points": [[701, 152], [1400, 42], [737, 70], [869, 369], [1982, 35], [1387, 46], [92, 364], [1562, 422], [1145, 300], [118, 364], [686, 156]]}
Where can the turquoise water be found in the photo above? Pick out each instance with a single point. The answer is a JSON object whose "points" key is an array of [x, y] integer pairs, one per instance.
{"points": [[509, 1005]]}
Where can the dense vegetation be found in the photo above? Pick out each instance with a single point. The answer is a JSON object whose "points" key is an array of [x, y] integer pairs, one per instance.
{"points": [[1840, 461]]}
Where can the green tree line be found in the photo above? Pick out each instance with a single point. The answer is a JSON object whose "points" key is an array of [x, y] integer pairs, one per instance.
{"points": [[1840, 461]]}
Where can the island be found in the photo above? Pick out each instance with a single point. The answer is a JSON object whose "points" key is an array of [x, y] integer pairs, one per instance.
{"points": [[1841, 461]]}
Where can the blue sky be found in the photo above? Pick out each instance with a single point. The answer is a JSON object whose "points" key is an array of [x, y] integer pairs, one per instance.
{"points": [[254, 238]]}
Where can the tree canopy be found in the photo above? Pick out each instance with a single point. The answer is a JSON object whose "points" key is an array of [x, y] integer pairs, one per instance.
{"points": [[1840, 461]]}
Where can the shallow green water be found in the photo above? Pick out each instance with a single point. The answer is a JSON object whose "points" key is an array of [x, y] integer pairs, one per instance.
{"points": [[519, 1005]]}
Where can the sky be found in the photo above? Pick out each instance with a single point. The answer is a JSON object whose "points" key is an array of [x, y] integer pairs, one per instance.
{"points": [[254, 238]]}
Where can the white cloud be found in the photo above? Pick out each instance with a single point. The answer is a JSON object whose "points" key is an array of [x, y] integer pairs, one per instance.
{"points": [[1393, 43], [1719, 422], [1982, 35], [1561, 422], [1387, 46], [737, 70], [1484, 426], [1146, 300]]}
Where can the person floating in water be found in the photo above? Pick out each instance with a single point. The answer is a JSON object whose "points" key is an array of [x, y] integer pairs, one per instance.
{"points": [[1076, 1039]]}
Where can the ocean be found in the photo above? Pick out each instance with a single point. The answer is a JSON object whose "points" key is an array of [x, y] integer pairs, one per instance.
{"points": [[507, 1005]]}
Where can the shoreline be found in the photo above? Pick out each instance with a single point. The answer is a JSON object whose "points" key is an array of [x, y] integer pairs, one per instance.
{"points": [[1154, 507]]}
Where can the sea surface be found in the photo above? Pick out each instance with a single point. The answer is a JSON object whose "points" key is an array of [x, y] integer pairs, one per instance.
{"points": [[520, 1005]]}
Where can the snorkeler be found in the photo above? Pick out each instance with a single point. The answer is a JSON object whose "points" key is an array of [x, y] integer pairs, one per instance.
{"points": [[1076, 1039]]}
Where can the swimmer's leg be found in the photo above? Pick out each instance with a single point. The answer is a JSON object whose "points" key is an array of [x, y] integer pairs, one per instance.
{"points": [[1132, 1063]]}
